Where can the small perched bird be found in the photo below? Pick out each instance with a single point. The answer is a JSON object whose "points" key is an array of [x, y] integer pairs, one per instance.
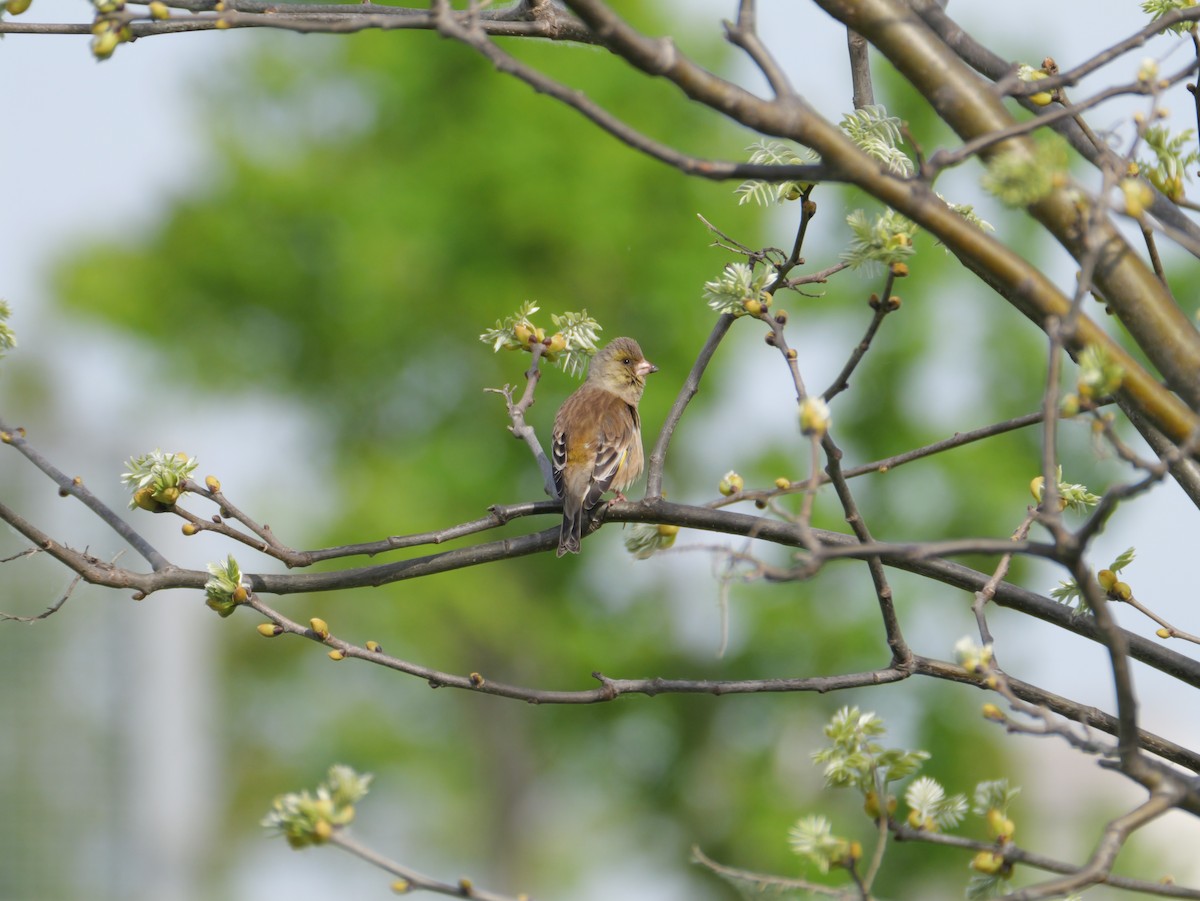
{"points": [[598, 436]]}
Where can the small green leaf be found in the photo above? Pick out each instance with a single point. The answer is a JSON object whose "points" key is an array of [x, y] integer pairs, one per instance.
{"points": [[981, 887], [928, 800], [812, 838], [1099, 374], [879, 135], [8, 338], [226, 587], [737, 283], [878, 242], [307, 818], [993, 795], [853, 760], [157, 477], [1159, 8], [1123, 560], [774, 153]]}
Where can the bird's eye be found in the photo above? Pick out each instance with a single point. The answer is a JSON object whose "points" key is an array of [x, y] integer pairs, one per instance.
{"points": [[627, 361]]}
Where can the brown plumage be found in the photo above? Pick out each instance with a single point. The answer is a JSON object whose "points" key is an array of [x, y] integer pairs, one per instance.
{"points": [[598, 436]]}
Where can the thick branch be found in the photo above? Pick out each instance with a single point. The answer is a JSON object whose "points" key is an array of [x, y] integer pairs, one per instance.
{"points": [[972, 109], [995, 67], [1007, 272]]}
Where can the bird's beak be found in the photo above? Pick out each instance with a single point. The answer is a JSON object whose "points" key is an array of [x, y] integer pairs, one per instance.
{"points": [[645, 368]]}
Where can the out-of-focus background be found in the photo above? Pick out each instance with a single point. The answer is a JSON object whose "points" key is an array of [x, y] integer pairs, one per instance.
{"points": [[276, 253]]}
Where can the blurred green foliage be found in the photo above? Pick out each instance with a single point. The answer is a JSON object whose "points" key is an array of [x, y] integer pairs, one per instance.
{"points": [[373, 204]]}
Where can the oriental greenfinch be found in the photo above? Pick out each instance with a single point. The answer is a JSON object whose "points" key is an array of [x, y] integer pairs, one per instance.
{"points": [[598, 436]]}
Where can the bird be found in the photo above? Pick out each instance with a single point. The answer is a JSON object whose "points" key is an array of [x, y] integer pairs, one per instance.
{"points": [[598, 436]]}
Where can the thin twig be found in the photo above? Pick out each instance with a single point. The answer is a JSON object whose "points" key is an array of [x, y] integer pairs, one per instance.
{"points": [[1116, 833], [608, 689], [411, 880], [691, 385], [451, 25], [1152, 250], [943, 159], [1017, 855], [881, 308], [902, 655], [808, 209], [1172, 632], [744, 34], [74, 487], [995, 67], [49, 611], [985, 594], [521, 429], [764, 882]]}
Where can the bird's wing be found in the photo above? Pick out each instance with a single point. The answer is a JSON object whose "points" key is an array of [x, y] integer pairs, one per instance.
{"points": [[558, 456], [618, 428]]}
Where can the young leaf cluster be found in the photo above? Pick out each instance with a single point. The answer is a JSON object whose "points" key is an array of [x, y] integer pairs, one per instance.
{"points": [[1173, 157], [225, 589], [930, 808], [994, 795], [570, 345], [855, 759], [504, 333], [812, 838], [1159, 8], [737, 284], [1069, 592], [879, 241], [1077, 496], [967, 211], [1071, 495], [974, 658], [878, 135], [8, 338], [644, 539], [1099, 374], [309, 818], [157, 478], [579, 331], [992, 872], [774, 153]]}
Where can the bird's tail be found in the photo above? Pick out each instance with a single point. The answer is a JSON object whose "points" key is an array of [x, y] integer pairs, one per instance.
{"points": [[571, 532]]}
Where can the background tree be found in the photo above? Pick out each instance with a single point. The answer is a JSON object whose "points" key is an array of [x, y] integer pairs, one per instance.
{"points": [[359, 290]]}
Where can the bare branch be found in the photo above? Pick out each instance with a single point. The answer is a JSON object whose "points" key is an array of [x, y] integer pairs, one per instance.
{"points": [[1116, 833], [453, 26], [521, 429], [860, 69], [49, 611], [74, 487], [881, 307], [411, 880], [744, 34], [1017, 855], [691, 385], [984, 61]]}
